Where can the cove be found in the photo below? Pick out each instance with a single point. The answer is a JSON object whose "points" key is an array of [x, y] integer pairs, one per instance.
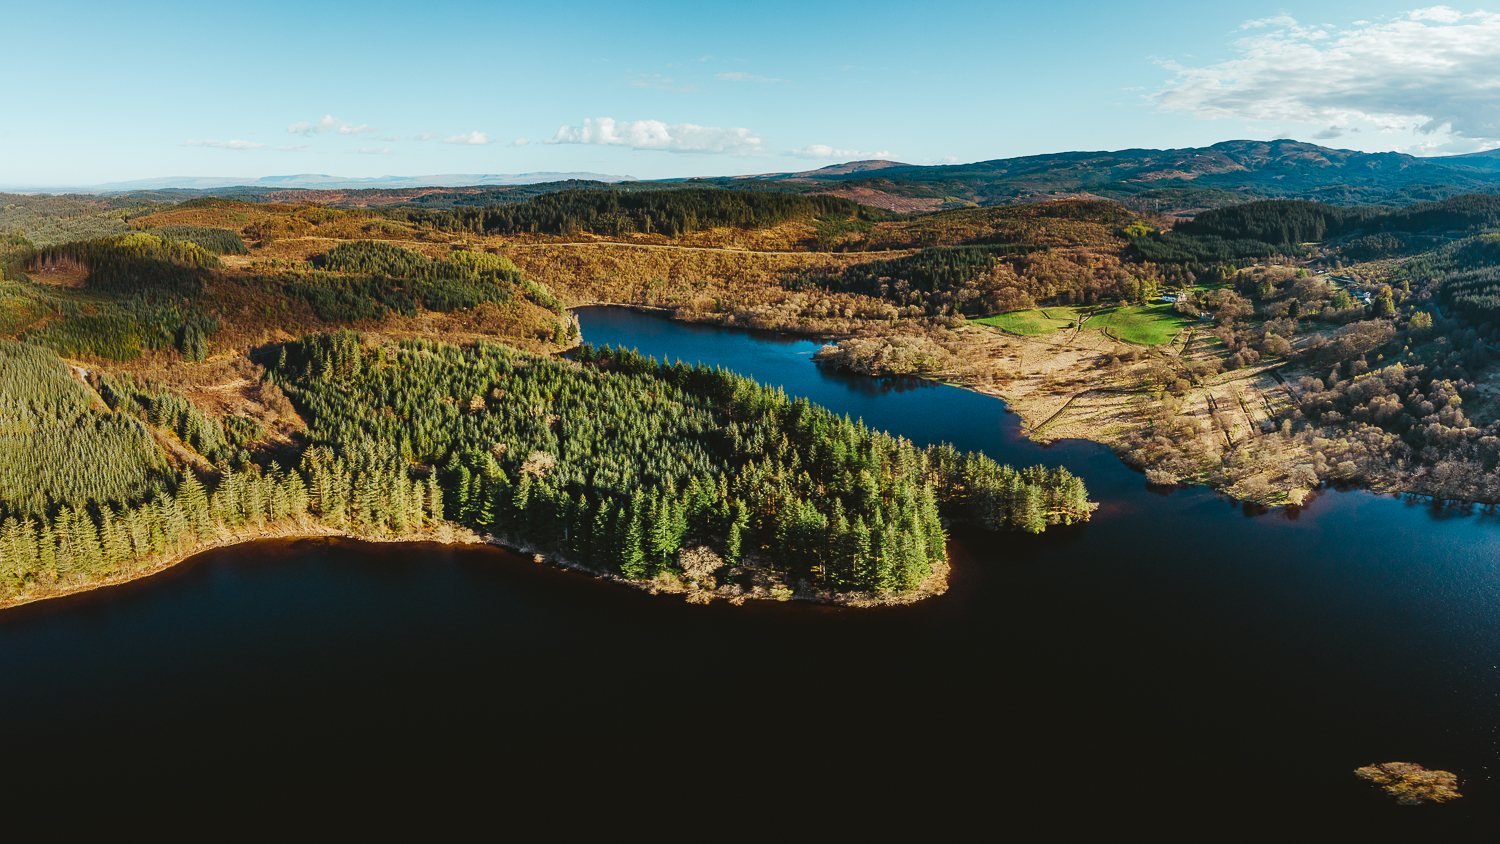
{"points": [[1177, 659]]}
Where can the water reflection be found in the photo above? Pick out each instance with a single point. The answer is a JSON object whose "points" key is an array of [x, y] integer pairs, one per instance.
{"points": [[866, 385]]}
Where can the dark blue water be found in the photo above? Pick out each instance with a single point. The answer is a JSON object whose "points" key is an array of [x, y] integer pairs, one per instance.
{"points": [[1180, 661]]}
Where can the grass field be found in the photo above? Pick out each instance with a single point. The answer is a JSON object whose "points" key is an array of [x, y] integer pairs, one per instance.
{"points": [[1149, 325], [1033, 322]]}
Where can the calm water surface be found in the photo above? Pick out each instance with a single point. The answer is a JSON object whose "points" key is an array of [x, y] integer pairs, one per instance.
{"points": [[1179, 659]]}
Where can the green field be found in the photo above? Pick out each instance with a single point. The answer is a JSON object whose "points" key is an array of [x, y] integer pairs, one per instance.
{"points": [[1149, 325], [1039, 321]]}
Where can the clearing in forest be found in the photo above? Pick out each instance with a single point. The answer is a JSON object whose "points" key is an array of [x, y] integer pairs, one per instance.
{"points": [[1147, 325], [1032, 322]]}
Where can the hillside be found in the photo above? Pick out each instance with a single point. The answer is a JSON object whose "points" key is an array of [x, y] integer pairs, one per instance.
{"points": [[1163, 181]]}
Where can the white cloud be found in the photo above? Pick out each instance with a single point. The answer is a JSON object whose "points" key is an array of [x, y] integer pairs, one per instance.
{"points": [[329, 123], [1441, 14], [737, 76], [1279, 20], [224, 144], [297, 148], [374, 151], [519, 142], [470, 138], [425, 136], [1433, 70], [323, 125], [389, 138], [656, 135], [826, 151]]}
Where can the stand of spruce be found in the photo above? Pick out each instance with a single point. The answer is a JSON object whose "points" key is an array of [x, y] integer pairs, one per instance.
{"points": [[615, 461]]}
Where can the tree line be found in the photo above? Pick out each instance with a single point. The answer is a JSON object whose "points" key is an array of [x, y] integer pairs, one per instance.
{"points": [[670, 212], [215, 240], [1286, 223], [923, 278], [460, 280]]}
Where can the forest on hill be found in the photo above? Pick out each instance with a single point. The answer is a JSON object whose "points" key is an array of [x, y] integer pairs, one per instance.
{"points": [[121, 297], [1257, 230], [615, 212]]}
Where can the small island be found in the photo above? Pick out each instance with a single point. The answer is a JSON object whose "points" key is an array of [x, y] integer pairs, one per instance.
{"points": [[1411, 784]]}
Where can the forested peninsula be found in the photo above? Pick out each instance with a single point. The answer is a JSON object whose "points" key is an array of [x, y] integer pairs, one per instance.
{"points": [[679, 478]]}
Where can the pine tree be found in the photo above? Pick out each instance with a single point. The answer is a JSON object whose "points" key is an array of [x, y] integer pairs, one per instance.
{"points": [[90, 555], [1031, 515], [732, 545], [932, 525], [297, 499], [887, 553], [135, 527], [46, 551], [432, 503], [11, 562], [598, 542], [660, 545], [520, 507], [463, 496], [175, 522], [65, 558], [860, 555], [580, 520], [116, 543], [194, 500], [633, 563]]}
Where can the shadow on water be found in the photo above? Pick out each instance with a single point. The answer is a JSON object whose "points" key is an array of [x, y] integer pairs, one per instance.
{"points": [[1180, 659]]}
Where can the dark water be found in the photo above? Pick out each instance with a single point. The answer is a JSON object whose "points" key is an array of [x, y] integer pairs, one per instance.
{"points": [[1178, 662]]}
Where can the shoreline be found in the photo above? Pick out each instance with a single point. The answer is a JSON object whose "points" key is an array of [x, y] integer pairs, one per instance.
{"points": [[450, 536], [165, 564], [695, 593], [1033, 430]]}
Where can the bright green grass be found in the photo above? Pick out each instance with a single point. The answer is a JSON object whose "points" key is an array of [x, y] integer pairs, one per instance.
{"points": [[1149, 325], [1038, 321]]}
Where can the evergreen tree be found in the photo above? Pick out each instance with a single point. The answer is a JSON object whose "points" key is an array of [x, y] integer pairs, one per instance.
{"points": [[599, 536], [861, 553], [633, 562]]}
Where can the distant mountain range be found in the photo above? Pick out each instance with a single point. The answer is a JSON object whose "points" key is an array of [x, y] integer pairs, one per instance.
{"points": [[1168, 179], [1171, 181], [314, 181]]}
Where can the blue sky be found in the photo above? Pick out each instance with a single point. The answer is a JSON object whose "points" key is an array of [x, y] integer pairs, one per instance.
{"points": [[101, 92]]}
